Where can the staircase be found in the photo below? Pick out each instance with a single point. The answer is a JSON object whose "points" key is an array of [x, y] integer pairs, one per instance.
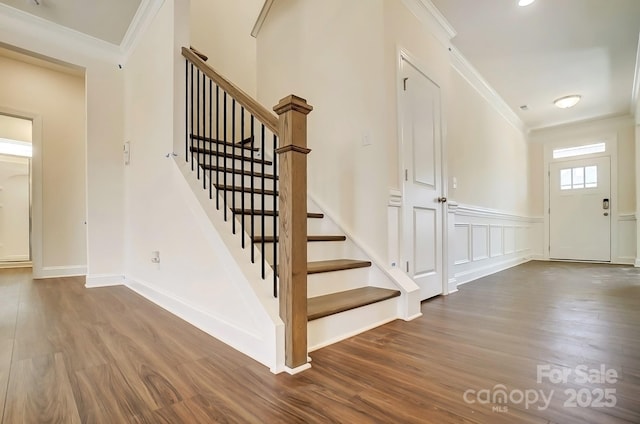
{"points": [[234, 151]]}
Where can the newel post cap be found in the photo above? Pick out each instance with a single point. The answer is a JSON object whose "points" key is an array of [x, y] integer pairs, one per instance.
{"points": [[293, 102]]}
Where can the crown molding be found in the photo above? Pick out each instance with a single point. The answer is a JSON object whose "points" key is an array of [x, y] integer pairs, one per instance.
{"points": [[475, 79], [635, 107], [140, 22], [25, 26], [37, 35], [430, 16], [264, 12]]}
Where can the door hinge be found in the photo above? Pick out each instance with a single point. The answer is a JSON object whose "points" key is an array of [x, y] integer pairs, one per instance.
{"points": [[407, 266], [404, 83], [406, 175]]}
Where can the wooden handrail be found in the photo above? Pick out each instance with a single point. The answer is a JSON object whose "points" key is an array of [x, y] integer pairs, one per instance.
{"points": [[199, 53], [256, 109]]}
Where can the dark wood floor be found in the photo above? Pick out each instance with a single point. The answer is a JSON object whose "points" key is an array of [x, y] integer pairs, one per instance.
{"points": [[73, 355]]}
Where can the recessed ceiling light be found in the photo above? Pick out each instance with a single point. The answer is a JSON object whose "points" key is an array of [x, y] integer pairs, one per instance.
{"points": [[525, 2], [567, 101]]}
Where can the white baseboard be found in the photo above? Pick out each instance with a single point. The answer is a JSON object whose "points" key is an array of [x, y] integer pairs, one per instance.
{"points": [[637, 263], [476, 273], [251, 344], [103, 280], [452, 286], [11, 264], [61, 271], [16, 258], [296, 370]]}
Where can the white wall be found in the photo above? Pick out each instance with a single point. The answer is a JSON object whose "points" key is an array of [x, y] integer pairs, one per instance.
{"points": [[330, 53], [222, 30], [14, 208], [197, 277], [487, 155], [58, 98], [103, 134], [15, 128]]}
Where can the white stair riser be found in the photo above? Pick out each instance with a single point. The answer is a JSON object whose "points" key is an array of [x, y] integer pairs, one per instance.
{"points": [[336, 281], [328, 330]]}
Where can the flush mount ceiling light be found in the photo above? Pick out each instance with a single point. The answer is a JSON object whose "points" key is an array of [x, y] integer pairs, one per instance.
{"points": [[524, 3], [567, 101]]}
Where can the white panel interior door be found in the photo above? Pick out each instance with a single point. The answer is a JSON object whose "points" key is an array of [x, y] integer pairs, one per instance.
{"points": [[580, 210], [422, 211]]}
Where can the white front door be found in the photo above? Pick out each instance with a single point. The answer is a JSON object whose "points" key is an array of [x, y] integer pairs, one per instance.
{"points": [[422, 206], [580, 210]]}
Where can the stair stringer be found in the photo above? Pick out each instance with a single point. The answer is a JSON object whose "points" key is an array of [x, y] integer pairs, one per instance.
{"points": [[265, 342], [331, 329]]}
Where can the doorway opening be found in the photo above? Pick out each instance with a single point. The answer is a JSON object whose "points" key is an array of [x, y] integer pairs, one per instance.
{"points": [[581, 201], [15, 191]]}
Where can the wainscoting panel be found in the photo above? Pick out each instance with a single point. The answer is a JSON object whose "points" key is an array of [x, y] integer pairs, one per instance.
{"points": [[497, 248], [462, 243], [626, 239], [488, 241], [480, 244]]}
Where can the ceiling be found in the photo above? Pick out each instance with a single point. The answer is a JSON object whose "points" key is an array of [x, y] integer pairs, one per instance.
{"points": [[528, 55], [532, 55], [104, 20]]}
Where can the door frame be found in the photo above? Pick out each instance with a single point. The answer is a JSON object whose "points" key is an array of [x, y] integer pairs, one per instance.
{"points": [[611, 151], [35, 233], [404, 55]]}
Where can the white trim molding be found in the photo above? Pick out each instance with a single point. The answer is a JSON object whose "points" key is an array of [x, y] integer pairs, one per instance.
{"points": [[484, 241], [477, 81], [262, 17], [28, 25], [636, 85], [139, 24], [429, 15], [103, 280], [61, 271]]}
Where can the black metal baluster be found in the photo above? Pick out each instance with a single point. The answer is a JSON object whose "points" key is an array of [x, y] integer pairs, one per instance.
{"points": [[204, 131], [242, 176], [253, 233], [192, 117], [198, 126], [217, 152], [186, 110], [262, 209], [210, 136], [275, 218], [233, 162], [224, 124]]}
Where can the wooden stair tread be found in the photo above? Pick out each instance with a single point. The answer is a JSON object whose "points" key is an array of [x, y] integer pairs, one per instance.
{"points": [[245, 189], [334, 303], [228, 155], [335, 265], [269, 239], [259, 212], [238, 145], [246, 172]]}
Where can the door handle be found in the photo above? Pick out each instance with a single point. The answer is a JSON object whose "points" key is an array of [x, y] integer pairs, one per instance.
{"points": [[442, 200], [605, 203]]}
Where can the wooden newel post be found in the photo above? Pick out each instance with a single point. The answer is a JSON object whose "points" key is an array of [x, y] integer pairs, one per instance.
{"points": [[292, 232]]}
